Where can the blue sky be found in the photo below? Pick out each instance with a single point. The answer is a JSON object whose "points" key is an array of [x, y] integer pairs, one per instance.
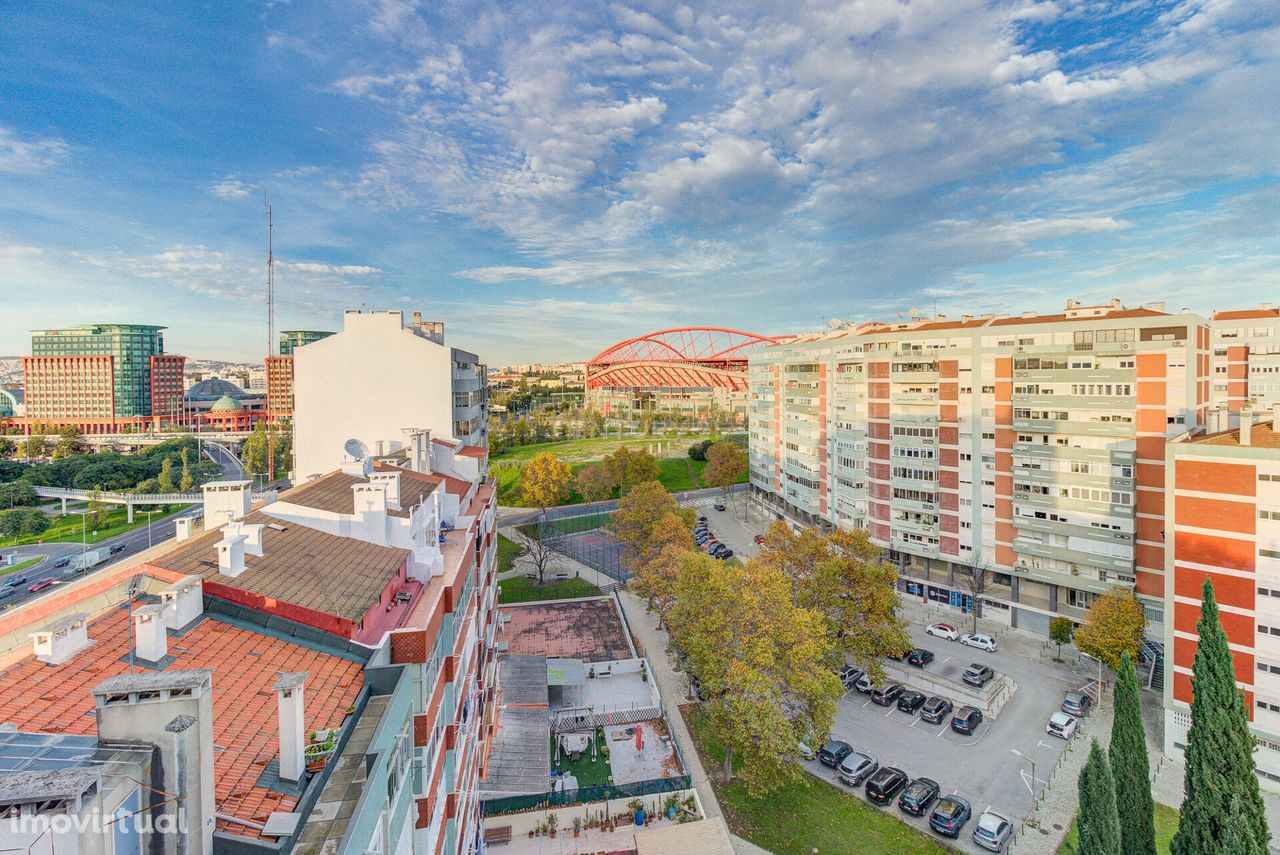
{"points": [[548, 178]]}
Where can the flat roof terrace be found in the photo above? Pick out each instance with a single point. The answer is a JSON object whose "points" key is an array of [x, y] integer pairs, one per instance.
{"points": [[588, 629]]}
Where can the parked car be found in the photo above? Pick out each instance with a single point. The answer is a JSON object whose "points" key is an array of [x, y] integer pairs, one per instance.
{"points": [[950, 815], [833, 753], [1076, 704], [701, 537], [992, 831], [42, 584], [886, 696], [885, 784], [977, 674], [701, 518], [966, 720], [759, 538], [719, 506], [935, 710], [979, 640], [710, 544], [63, 561], [911, 701], [918, 795], [850, 675], [856, 768], [864, 685], [727, 554], [718, 550], [1061, 725], [919, 657], [805, 751], [942, 630]]}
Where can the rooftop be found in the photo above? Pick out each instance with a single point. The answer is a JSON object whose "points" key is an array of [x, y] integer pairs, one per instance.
{"points": [[59, 699], [298, 565], [1261, 435], [1247, 314], [586, 629]]}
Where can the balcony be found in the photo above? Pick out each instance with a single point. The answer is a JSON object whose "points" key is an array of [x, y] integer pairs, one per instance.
{"points": [[928, 550], [1059, 503], [1083, 428], [1088, 562], [913, 397]]}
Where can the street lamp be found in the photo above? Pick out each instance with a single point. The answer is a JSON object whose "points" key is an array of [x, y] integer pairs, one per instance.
{"points": [[149, 514], [1033, 781]]}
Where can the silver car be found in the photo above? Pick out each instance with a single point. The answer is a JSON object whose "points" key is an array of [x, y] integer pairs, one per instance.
{"points": [[992, 831], [857, 767]]}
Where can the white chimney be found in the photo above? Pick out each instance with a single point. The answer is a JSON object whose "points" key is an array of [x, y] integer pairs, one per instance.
{"points": [[150, 637], [184, 527], [231, 555], [225, 501], [59, 641], [391, 484], [183, 602], [1246, 425], [252, 536], [419, 449], [1218, 419], [289, 702], [370, 502]]}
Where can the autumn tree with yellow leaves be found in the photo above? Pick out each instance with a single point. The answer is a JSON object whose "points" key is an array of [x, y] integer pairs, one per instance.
{"points": [[1113, 625]]}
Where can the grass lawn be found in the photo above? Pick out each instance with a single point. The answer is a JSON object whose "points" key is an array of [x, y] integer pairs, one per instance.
{"points": [[507, 551], [68, 528], [522, 590], [22, 565], [1166, 827], [590, 773], [673, 473], [585, 450], [794, 819]]}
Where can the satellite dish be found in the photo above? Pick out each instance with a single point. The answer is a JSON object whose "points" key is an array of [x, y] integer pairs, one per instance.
{"points": [[356, 449]]}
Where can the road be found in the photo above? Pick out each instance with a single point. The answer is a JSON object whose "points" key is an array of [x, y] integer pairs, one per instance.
{"points": [[520, 516], [134, 541], [231, 468]]}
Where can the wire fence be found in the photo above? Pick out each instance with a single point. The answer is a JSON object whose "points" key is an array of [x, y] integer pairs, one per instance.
{"points": [[585, 538], [583, 795]]}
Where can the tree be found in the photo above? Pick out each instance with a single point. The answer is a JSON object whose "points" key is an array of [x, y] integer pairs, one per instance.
{"points": [[254, 451], [1220, 781], [70, 442], [186, 484], [35, 446], [1061, 629], [1130, 767], [698, 451], [1113, 625], [541, 555], [726, 463], [1238, 837], [31, 522], [973, 581], [97, 509], [762, 661], [626, 468], [841, 576], [657, 561], [1099, 824], [593, 483], [7, 448], [164, 481], [638, 513], [544, 481], [17, 494]]}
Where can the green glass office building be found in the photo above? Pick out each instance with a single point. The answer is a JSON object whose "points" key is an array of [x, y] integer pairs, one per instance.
{"points": [[289, 339], [131, 347]]}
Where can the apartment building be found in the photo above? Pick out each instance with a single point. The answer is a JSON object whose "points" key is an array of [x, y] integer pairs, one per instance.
{"points": [[1246, 358], [316, 672], [278, 373], [1029, 446], [376, 379], [1222, 502]]}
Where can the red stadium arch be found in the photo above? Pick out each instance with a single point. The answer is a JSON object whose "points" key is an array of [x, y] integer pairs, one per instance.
{"points": [[704, 357]]}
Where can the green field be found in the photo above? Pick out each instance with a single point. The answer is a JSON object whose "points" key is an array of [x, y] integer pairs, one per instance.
{"points": [[22, 565], [522, 590], [795, 819], [673, 473], [1166, 827], [508, 550], [586, 450], [68, 528]]}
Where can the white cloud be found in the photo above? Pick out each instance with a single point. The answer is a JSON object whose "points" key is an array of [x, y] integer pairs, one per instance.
{"points": [[30, 156], [16, 250], [230, 187]]}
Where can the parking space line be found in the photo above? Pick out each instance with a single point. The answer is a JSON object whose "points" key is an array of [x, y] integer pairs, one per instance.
{"points": [[889, 711]]}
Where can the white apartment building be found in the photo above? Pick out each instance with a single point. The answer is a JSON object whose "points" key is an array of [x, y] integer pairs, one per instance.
{"points": [[378, 379], [1031, 446]]}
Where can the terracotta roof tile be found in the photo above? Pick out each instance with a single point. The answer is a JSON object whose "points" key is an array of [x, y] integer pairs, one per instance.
{"points": [[333, 493], [1246, 314]]}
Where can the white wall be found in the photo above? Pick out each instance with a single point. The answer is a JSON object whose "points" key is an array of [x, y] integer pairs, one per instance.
{"points": [[368, 382]]}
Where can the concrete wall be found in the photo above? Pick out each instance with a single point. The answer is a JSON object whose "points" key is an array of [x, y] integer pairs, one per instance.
{"points": [[991, 698], [368, 382], [521, 823]]}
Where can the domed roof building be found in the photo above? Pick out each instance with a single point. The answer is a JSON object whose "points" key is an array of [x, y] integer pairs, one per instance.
{"points": [[222, 405], [225, 404], [214, 389]]}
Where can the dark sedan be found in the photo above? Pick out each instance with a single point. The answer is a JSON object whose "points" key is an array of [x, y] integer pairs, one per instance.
{"points": [[935, 710], [918, 795], [950, 815], [833, 752], [886, 696], [919, 657], [911, 701], [966, 720]]}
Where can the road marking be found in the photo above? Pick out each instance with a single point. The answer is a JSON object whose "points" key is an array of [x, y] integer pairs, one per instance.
{"points": [[1042, 745], [889, 711], [866, 703], [945, 661]]}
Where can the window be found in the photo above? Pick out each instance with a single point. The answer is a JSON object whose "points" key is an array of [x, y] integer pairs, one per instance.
{"points": [[1269, 553]]}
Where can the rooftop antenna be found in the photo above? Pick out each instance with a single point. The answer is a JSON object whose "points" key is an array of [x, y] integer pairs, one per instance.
{"points": [[135, 585], [271, 282]]}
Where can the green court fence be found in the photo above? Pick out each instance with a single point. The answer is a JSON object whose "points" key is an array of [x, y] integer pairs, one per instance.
{"points": [[583, 795]]}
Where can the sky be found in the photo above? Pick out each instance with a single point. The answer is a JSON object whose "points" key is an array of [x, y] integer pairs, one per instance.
{"points": [[549, 178]]}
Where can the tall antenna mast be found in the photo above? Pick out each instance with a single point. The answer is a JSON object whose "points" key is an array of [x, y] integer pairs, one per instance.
{"points": [[271, 283]]}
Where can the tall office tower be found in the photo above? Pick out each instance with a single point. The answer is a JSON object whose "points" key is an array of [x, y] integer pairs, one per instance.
{"points": [[1246, 358], [1031, 447], [279, 370], [102, 377]]}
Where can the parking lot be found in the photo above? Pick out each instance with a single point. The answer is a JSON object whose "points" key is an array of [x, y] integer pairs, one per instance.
{"points": [[992, 767]]}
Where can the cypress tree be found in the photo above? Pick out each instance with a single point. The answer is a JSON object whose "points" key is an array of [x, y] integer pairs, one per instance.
{"points": [[1099, 824], [1130, 768], [1219, 753], [1237, 839]]}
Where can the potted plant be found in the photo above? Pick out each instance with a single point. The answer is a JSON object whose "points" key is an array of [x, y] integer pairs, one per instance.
{"points": [[637, 810], [577, 826], [672, 805], [591, 672], [552, 821], [644, 672], [318, 752]]}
